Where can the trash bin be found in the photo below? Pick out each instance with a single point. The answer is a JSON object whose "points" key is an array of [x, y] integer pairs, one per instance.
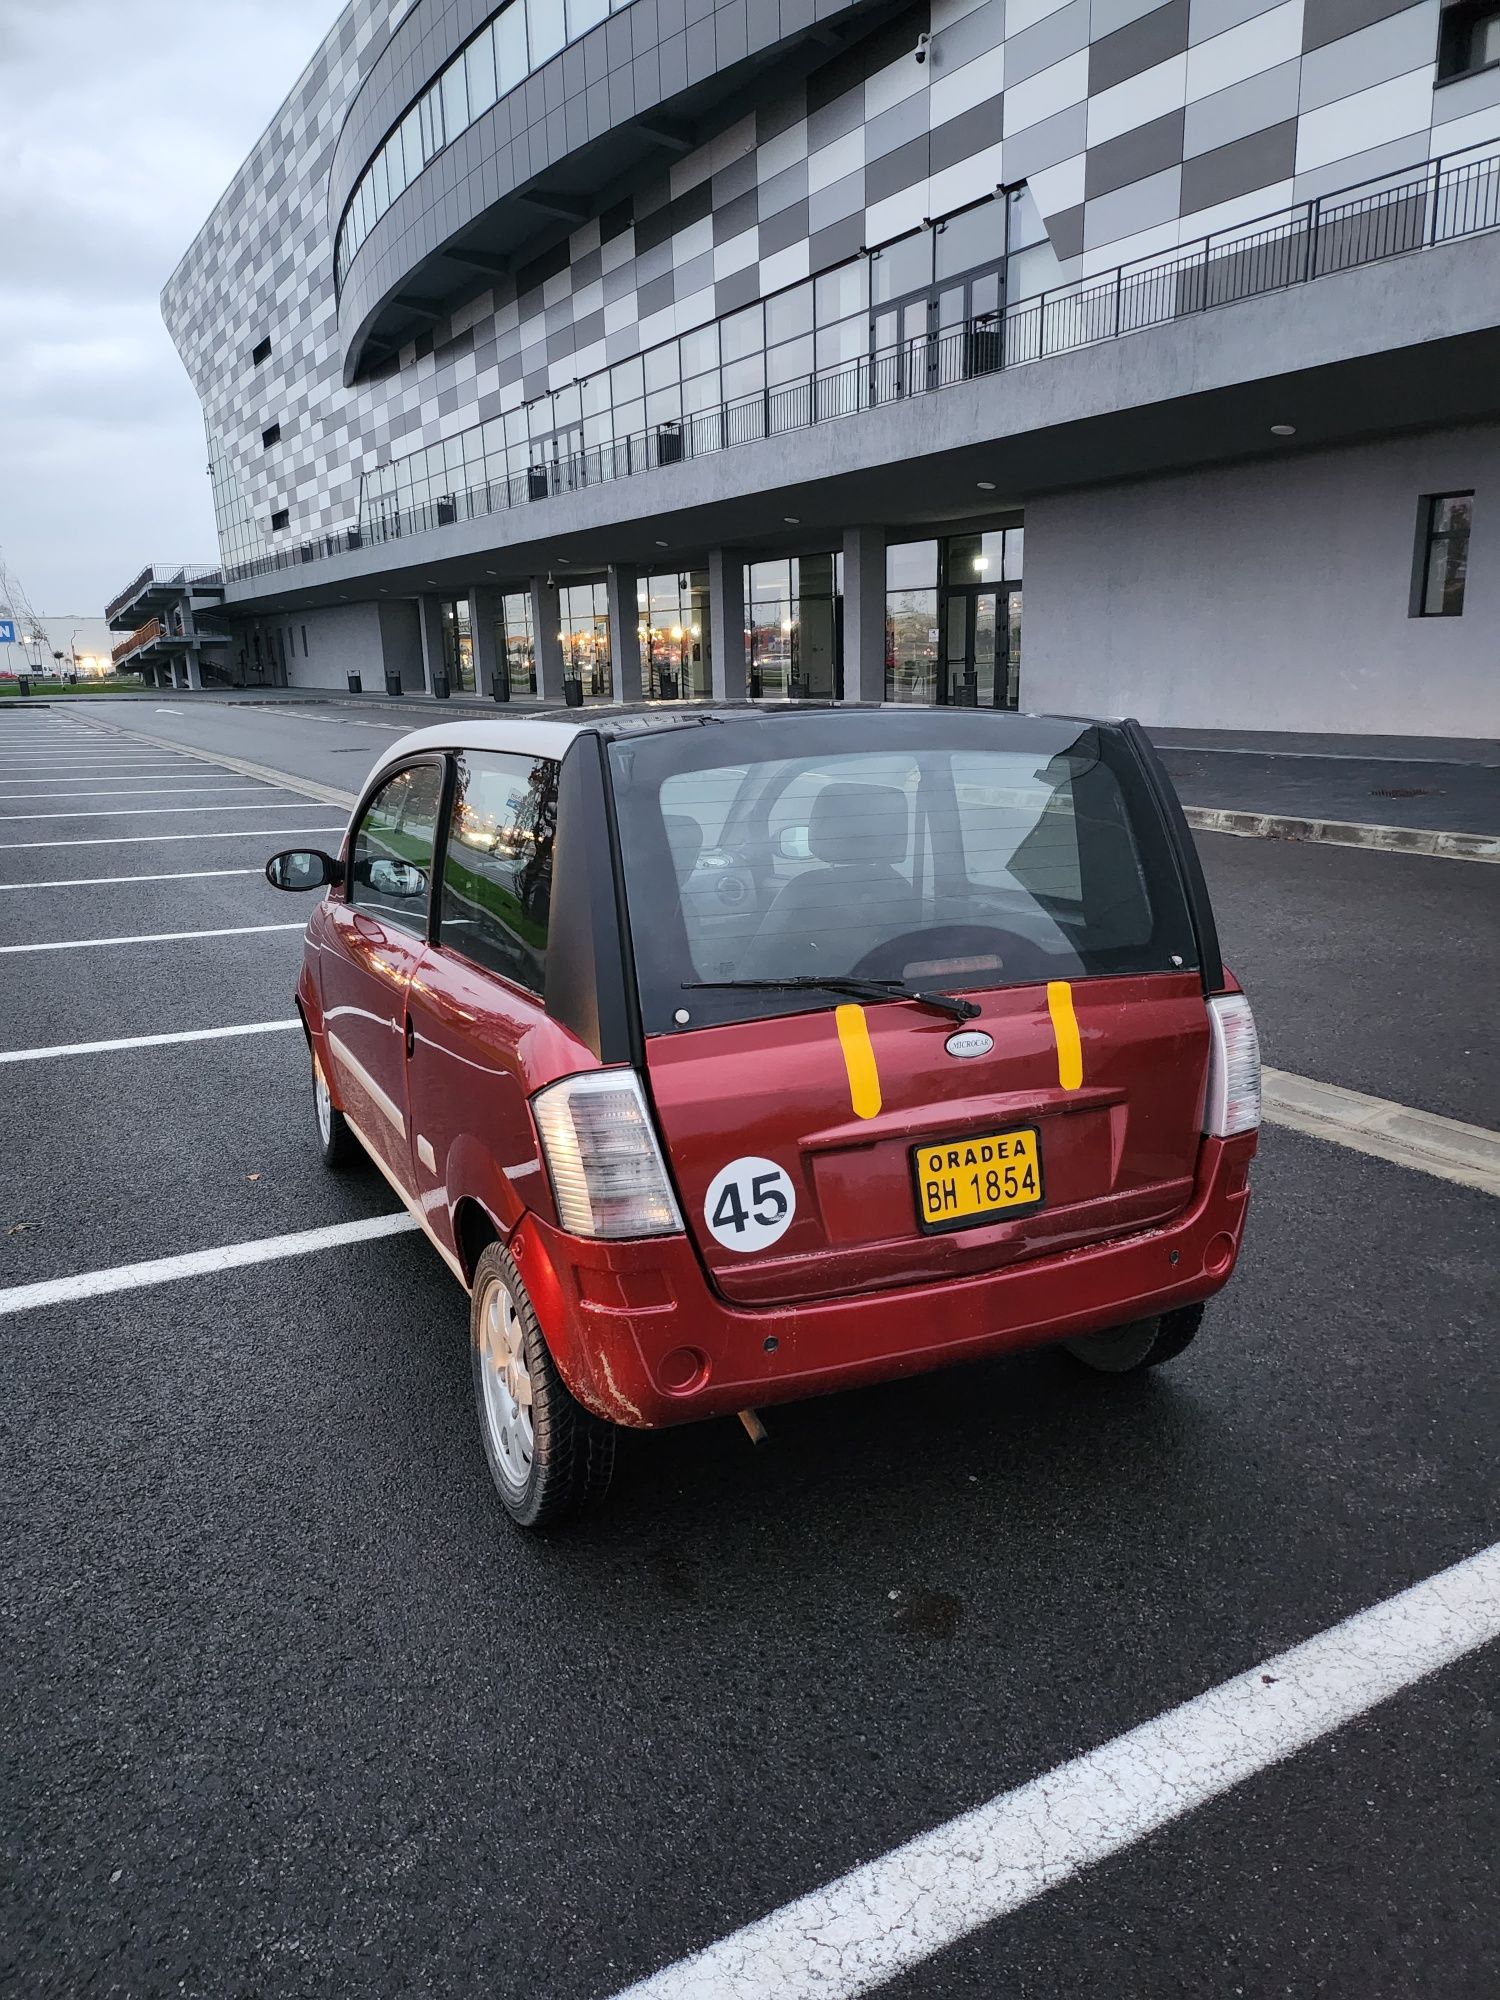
{"points": [[392, 680], [356, 684], [23, 683], [500, 683], [440, 687], [573, 693]]}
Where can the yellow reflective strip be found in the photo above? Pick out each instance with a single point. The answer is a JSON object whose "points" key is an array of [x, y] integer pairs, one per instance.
{"points": [[859, 1061], [1065, 1032]]}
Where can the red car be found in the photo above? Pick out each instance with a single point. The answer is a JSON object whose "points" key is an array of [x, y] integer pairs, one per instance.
{"points": [[729, 1056]]}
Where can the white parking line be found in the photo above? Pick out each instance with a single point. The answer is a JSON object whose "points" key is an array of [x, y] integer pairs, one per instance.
{"points": [[125, 792], [110, 778], [112, 881], [151, 937], [200, 1263], [878, 1921], [147, 1041], [140, 839], [137, 812]]}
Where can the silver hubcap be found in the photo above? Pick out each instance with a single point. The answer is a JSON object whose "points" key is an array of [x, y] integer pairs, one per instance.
{"points": [[506, 1385], [322, 1103]]}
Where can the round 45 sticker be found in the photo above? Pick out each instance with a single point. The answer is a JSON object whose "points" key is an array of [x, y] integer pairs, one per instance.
{"points": [[750, 1204]]}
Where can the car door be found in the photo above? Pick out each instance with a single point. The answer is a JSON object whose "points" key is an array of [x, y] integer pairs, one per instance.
{"points": [[379, 932], [477, 1014]]}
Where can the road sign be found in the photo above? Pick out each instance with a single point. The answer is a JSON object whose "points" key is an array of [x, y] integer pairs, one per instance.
{"points": [[7, 631]]}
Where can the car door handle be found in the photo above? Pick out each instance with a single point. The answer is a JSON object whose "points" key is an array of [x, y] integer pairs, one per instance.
{"points": [[411, 1038], [368, 929]]}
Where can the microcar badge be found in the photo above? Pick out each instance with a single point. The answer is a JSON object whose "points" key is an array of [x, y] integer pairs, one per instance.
{"points": [[969, 1042]]}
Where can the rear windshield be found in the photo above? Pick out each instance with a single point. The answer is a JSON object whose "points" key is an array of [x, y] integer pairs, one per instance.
{"points": [[955, 851]]}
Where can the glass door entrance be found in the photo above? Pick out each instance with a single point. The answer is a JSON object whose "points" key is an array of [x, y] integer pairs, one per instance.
{"points": [[981, 667]]}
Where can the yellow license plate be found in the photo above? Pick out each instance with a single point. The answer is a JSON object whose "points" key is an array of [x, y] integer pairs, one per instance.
{"points": [[974, 1180]]}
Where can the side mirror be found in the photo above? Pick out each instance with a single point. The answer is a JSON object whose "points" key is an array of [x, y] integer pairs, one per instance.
{"points": [[397, 878], [794, 844], [302, 868]]}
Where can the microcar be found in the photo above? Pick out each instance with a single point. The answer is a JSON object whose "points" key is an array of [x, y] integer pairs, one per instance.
{"points": [[731, 1055]]}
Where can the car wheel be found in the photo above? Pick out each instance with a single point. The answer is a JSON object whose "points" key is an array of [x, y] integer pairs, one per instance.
{"points": [[549, 1457], [336, 1142], [1144, 1343]]}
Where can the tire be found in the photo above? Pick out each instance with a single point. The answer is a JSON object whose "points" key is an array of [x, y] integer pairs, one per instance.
{"points": [[1144, 1343], [550, 1458], [337, 1145]]}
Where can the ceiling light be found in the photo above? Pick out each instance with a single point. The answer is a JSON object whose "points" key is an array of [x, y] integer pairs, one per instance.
{"points": [[792, 520], [661, 545], [985, 485], [1283, 430]]}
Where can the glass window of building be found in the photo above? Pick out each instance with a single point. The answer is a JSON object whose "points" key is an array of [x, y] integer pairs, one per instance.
{"points": [[458, 645], [510, 46], [585, 638], [901, 267], [676, 660], [585, 14], [793, 628], [911, 621], [514, 643], [480, 59], [977, 236], [979, 644], [546, 29], [1443, 555], [497, 869], [455, 89]]}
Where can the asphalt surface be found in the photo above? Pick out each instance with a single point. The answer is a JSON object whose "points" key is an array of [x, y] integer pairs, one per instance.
{"points": [[288, 1709], [1437, 782]]}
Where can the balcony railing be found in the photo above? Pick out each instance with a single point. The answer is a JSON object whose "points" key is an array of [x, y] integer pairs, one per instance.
{"points": [[167, 574], [1438, 202], [141, 636]]}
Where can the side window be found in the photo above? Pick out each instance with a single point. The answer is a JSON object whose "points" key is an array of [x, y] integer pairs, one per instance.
{"points": [[497, 871], [392, 857]]}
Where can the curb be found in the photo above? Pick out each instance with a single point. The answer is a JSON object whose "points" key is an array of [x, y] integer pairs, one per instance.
{"points": [[328, 795], [1421, 1140], [1346, 833]]}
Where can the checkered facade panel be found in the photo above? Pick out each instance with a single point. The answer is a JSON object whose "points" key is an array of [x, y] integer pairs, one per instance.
{"points": [[1138, 128]]}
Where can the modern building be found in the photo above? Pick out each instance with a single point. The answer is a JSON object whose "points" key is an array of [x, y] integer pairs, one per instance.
{"points": [[787, 347], [178, 636]]}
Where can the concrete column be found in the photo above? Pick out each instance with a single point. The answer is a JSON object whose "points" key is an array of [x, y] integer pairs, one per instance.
{"points": [[430, 612], [192, 670], [726, 623], [484, 609], [864, 614], [624, 632], [546, 622]]}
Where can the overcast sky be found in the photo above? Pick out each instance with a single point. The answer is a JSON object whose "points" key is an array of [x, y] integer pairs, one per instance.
{"points": [[121, 123]]}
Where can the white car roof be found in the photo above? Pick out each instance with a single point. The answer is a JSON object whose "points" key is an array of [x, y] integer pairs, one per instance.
{"points": [[531, 735]]}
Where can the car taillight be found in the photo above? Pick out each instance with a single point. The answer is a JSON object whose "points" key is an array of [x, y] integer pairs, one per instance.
{"points": [[607, 1169], [1232, 1102]]}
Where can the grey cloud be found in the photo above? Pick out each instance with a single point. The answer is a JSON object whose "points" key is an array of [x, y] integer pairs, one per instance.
{"points": [[124, 122]]}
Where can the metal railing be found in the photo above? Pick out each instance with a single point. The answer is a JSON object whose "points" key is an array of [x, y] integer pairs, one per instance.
{"points": [[1435, 203], [164, 573], [141, 636]]}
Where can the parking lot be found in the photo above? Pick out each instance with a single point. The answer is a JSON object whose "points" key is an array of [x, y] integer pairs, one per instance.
{"points": [[290, 1709]]}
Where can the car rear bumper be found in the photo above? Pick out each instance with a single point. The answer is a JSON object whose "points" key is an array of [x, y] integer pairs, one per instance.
{"points": [[641, 1338]]}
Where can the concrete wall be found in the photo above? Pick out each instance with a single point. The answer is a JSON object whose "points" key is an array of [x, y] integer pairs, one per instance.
{"points": [[1274, 595], [325, 645], [401, 644]]}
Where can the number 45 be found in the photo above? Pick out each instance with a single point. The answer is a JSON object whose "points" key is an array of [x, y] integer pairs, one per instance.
{"points": [[768, 1204]]}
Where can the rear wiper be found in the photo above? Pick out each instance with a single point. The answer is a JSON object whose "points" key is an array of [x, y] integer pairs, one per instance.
{"points": [[861, 989]]}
